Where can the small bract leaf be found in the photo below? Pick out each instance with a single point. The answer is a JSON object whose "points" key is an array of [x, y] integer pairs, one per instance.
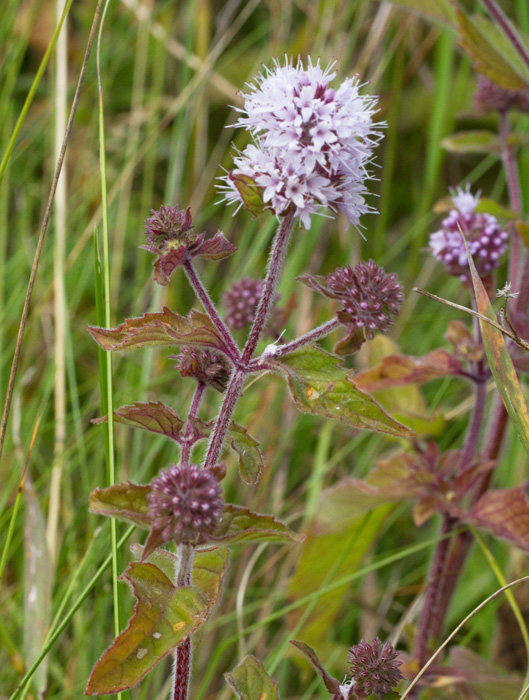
{"points": [[126, 501], [332, 685], [164, 328], [215, 248], [492, 52], [251, 193], [153, 416], [251, 682], [239, 524], [319, 385], [163, 617], [247, 449], [400, 370], [505, 514]]}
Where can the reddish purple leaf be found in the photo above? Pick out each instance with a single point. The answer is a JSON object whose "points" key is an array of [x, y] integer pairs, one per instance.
{"points": [[399, 370], [332, 685], [505, 514], [215, 248], [153, 416]]}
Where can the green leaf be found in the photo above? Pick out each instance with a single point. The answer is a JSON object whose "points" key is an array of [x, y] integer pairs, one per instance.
{"points": [[208, 569], [247, 449], [500, 360], [251, 682], [492, 52], [153, 416], [332, 685], [441, 10], [164, 328], [318, 384], [240, 524], [505, 514], [479, 141], [242, 443], [126, 501], [400, 370], [251, 193], [163, 617]]}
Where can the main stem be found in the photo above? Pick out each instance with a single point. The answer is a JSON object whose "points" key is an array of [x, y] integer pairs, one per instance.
{"points": [[234, 389], [184, 562]]}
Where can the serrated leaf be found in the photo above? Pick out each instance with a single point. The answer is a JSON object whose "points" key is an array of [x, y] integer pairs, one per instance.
{"points": [[332, 685], [240, 524], [163, 617], [492, 52], [126, 501], [251, 682], [153, 416], [163, 328], [500, 361], [319, 385], [479, 141], [400, 370], [505, 514]]}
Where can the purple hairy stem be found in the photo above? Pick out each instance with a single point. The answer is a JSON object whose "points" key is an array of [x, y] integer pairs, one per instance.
{"points": [[233, 392], [501, 20], [308, 338], [432, 615], [182, 655], [231, 346], [187, 443], [275, 265]]}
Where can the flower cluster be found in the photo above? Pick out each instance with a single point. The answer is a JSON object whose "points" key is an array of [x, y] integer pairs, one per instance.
{"points": [[490, 97], [184, 503], [374, 668], [370, 300], [240, 303], [208, 367], [485, 238], [170, 236], [312, 143]]}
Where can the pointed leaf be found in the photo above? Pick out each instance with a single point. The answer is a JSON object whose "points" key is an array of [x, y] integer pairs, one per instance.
{"points": [[500, 361], [505, 514], [153, 416], [242, 443], [399, 370], [163, 617], [332, 685], [492, 52], [319, 385], [247, 449], [251, 193], [126, 501], [215, 248], [164, 328], [240, 524], [251, 682], [478, 141]]}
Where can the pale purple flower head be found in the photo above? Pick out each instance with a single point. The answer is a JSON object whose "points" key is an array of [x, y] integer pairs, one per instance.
{"points": [[486, 240], [312, 143], [375, 668]]}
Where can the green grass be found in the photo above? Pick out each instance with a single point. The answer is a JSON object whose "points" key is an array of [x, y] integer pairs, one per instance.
{"points": [[167, 84]]}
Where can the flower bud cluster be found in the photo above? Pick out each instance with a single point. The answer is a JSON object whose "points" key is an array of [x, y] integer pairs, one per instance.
{"points": [[209, 367], [485, 238], [312, 144], [374, 668], [185, 503]]}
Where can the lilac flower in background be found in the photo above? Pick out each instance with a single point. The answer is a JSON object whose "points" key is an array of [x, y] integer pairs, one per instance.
{"points": [[374, 668], [184, 503], [240, 302], [490, 97], [486, 240], [312, 143]]}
